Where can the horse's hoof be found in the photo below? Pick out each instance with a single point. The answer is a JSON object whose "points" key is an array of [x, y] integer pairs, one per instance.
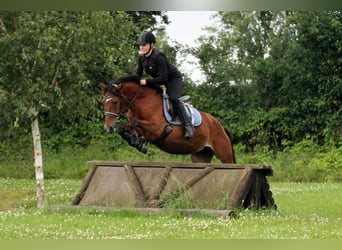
{"points": [[142, 147], [142, 150], [109, 130]]}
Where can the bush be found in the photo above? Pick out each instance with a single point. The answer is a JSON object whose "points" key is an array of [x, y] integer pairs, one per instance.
{"points": [[305, 161]]}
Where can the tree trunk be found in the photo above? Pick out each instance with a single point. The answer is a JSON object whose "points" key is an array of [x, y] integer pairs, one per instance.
{"points": [[38, 158]]}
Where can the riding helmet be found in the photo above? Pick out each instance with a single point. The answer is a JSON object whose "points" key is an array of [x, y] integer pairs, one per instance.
{"points": [[146, 37]]}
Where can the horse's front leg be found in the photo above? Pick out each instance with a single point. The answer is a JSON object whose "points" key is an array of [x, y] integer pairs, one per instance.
{"points": [[135, 140], [124, 132], [138, 141], [128, 133]]}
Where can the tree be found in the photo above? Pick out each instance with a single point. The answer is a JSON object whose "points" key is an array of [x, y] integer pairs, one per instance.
{"points": [[148, 19], [50, 65], [304, 66], [229, 56], [275, 76]]}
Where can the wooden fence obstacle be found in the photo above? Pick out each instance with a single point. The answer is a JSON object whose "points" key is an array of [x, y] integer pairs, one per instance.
{"points": [[150, 186]]}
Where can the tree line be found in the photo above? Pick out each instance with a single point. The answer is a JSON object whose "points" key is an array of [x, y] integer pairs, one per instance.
{"points": [[271, 77], [274, 77]]}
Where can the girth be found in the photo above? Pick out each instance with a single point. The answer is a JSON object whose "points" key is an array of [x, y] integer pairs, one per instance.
{"points": [[166, 132]]}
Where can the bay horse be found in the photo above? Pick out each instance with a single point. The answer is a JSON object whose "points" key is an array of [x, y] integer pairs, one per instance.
{"points": [[145, 115]]}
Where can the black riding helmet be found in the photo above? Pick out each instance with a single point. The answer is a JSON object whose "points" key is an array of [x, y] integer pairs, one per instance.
{"points": [[146, 37]]}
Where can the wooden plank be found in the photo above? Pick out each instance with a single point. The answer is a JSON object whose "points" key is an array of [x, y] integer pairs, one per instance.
{"points": [[180, 190], [185, 212], [161, 185], [241, 190], [267, 194], [136, 186], [84, 185], [199, 177], [255, 193], [267, 169]]}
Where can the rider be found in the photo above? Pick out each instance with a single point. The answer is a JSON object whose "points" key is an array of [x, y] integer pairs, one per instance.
{"points": [[156, 64]]}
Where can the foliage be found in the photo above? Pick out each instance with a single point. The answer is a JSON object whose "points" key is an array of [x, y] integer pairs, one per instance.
{"points": [[310, 162], [149, 19], [53, 61], [301, 162], [274, 76]]}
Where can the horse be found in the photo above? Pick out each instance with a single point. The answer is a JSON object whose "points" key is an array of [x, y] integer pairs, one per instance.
{"points": [[143, 106]]}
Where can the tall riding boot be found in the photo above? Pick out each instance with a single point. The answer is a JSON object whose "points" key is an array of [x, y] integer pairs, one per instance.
{"points": [[189, 129]]}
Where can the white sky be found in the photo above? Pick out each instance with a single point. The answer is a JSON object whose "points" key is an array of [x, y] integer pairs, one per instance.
{"points": [[185, 28]]}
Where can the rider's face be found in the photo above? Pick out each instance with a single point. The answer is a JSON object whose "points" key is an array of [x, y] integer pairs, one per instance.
{"points": [[144, 48]]}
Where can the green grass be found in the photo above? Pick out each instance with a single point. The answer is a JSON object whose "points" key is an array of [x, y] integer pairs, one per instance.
{"points": [[305, 211]]}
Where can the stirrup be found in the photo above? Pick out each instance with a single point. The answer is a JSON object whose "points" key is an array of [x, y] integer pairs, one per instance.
{"points": [[185, 99]]}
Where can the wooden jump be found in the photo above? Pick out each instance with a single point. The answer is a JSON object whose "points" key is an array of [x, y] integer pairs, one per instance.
{"points": [[150, 186]]}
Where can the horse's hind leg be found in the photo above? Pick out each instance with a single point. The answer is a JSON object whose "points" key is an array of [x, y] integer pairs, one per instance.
{"points": [[223, 151], [205, 155]]}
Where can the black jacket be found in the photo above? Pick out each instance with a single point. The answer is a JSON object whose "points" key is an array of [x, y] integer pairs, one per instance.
{"points": [[158, 67]]}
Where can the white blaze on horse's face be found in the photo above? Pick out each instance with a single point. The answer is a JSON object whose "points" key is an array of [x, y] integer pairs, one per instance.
{"points": [[112, 114], [108, 98]]}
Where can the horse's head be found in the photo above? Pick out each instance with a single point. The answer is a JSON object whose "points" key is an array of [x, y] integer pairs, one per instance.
{"points": [[114, 106]]}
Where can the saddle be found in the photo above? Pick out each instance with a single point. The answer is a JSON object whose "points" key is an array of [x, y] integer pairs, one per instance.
{"points": [[193, 113]]}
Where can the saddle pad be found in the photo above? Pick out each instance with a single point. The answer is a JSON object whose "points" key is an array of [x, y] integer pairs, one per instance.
{"points": [[193, 113]]}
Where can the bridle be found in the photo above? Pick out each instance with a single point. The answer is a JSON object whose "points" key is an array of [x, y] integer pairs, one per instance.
{"points": [[114, 115], [114, 91]]}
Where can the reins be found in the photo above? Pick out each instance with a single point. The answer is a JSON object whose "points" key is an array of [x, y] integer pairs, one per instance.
{"points": [[134, 97]]}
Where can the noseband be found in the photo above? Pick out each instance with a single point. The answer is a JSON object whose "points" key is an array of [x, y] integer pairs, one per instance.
{"points": [[113, 115]]}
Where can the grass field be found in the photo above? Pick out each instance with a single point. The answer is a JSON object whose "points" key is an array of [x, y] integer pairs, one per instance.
{"points": [[305, 211]]}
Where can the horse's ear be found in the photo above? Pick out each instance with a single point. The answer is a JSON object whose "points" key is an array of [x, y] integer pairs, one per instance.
{"points": [[116, 86], [103, 86]]}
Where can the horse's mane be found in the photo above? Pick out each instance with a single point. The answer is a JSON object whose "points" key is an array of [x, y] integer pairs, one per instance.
{"points": [[135, 79], [123, 79]]}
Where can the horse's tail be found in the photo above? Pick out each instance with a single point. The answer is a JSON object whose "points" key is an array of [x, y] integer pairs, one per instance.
{"points": [[231, 142]]}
